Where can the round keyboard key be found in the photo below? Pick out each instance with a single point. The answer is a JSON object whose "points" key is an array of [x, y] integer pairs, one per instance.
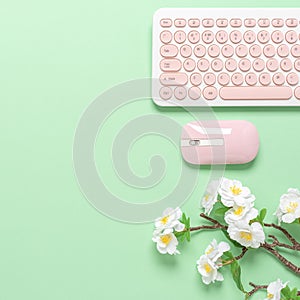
{"points": [[210, 93], [292, 78], [263, 36], [245, 65], [230, 65], [170, 65], [165, 22], [217, 65], [180, 92], [297, 65], [186, 51], [166, 36], [263, 22], [291, 36], [235, 36], [235, 22], [196, 79], [286, 65], [194, 36], [194, 23], [237, 78], [249, 22], [255, 51], [277, 36], [291, 22], [251, 79], [207, 36], [278, 79], [189, 65], [199, 51], [258, 64], [265, 79], [165, 93], [221, 37], [180, 22], [277, 22], [168, 51], [249, 37], [194, 93], [283, 50], [208, 22], [222, 23], [272, 64], [209, 78], [203, 65], [269, 50], [227, 50], [296, 50], [241, 51], [213, 51], [179, 36], [223, 79], [297, 93]]}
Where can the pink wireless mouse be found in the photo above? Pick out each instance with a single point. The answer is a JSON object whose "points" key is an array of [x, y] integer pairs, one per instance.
{"points": [[219, 142]]}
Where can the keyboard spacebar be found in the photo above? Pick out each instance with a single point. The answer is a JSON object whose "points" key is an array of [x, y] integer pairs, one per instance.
{"points": [[256, 93]]}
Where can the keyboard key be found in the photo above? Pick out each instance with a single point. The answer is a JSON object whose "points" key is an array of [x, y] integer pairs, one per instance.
{"points": [[230, 65], [235, 22], [194, 93], [245, 65], [286, 65], [217, 65], [278, 79], [165, 22], [250, 22], [297, 65], [186, 51], [210, 93], [235, 36], [249, 37], [213, 51], [237, 78], [227, 50], [180, 92], [189, 65], [277, 36], [256, 93], [258, 64], [166, 36], [241, 51], [263, 36], [170, 65], [292, 78], [194, 36], [255, 51], [199, 51], [263, 22], [251, 79], [291, 22], [165, 93], [194, 23], [291, 36], [209, 78], [283, 50], [269, 50], [265, 78], [297, 93], [221, 36], [277, 22], [223, 79], [222, 23], [272, 64], [179, 37], [168, 51], [296, 50], [203, 65], [208, 22], [173, 79], [207, 37], [180, 22], [196, 79]]}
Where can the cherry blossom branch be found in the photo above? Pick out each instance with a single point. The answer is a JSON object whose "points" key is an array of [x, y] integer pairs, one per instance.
{"points": [[276, 243], [256, 288], [244, 250], [217, 225]]}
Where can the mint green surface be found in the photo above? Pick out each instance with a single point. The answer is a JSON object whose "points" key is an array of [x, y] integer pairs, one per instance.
{"points": [[56, 57]]}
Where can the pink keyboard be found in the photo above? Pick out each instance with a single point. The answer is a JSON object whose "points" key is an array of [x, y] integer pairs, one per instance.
{"points": [[226, 57]]}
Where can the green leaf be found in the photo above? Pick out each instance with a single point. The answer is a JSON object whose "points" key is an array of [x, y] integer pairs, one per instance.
{"points": [[221, 211], [228, 255], [232, 241], [285, 293], [247, 296], [188, 236], [294, 293], [236, 275], [262, 214]]}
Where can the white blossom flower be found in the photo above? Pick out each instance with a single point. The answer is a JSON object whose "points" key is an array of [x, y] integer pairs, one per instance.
{"points": [[274, 289], [214, 251], [289, 207], [170, 219], [210, 196], [247, 235], [242, 210], [232, 190], [166, 241], [209, 270]]}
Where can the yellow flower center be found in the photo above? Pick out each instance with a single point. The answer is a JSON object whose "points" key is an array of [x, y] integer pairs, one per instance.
{"points": [[235, 190], [210, 250], [292, 207], [166, 239], [246, 236], [270, 296], [207, 268], [165, 219], [238, 211], [206, 198]]}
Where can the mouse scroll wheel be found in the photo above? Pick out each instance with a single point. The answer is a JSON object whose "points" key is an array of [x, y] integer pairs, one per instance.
{"points": [[194, 142]]}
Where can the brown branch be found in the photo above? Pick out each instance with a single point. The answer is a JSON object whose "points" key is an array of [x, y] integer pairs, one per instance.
{"points": [[244, 250], [256, 288], [203, 227], [276, 243], [218, 224]]}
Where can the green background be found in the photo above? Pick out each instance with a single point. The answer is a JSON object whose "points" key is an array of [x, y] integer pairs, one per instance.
{"points": [[56, 57]]}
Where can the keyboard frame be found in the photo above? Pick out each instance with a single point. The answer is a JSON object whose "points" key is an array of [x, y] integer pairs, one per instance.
{"points": [[215, 13]]}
